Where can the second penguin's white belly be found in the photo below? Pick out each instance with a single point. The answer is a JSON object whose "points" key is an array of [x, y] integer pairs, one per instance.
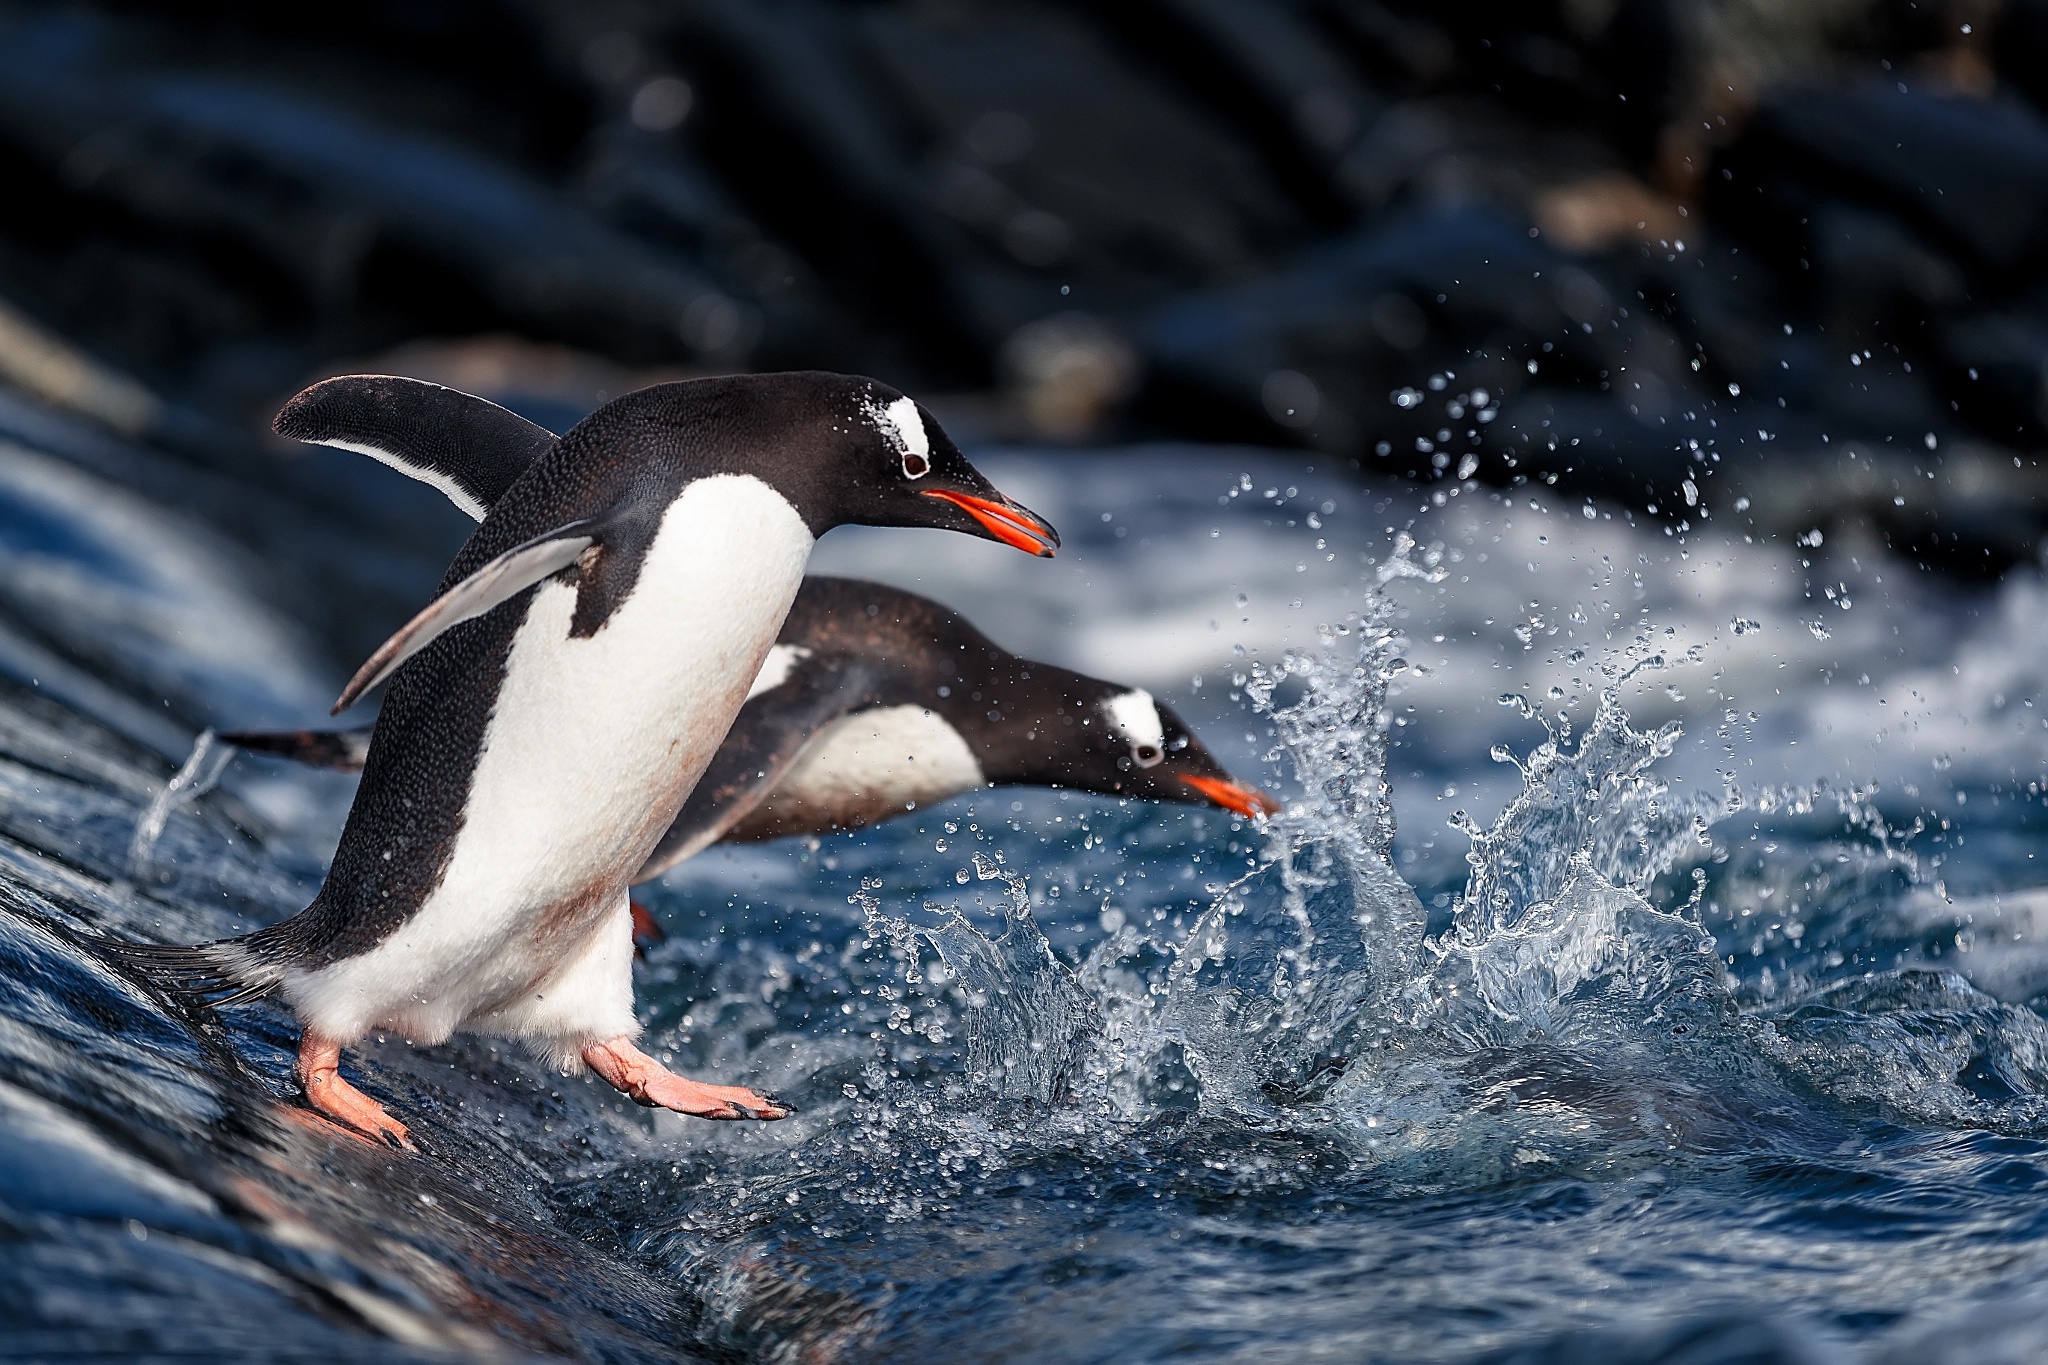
{"points": [[591, 749], [862, 768]]}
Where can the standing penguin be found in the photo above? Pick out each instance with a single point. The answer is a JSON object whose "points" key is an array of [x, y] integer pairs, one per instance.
{"points": [[553, 707]]}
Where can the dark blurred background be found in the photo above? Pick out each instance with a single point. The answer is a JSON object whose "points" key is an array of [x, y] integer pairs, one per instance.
{"points": [[1776, 261]]}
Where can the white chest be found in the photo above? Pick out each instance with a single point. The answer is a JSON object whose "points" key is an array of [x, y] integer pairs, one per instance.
{"points": [[595, 742], [591, 749]]}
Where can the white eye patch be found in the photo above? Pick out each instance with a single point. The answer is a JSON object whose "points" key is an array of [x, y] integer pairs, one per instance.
{"points": [[1136, 716], [902, 426]]}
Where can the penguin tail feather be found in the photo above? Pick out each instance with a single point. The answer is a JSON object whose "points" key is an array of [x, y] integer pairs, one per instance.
{"points": [[216, 974]]}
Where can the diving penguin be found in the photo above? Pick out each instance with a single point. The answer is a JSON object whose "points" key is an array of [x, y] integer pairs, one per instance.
{"points": [[553, 707]]}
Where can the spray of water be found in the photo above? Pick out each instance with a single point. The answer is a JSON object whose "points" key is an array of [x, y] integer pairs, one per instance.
{"points": [[201, 770], [1563, 1018]]}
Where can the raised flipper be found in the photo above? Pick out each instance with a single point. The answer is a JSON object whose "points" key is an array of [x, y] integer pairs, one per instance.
{"points": [[770, 731], [342, 750], [497, 582], [468, 447]]}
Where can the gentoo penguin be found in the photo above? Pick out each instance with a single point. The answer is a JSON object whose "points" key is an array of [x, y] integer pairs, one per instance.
{"points": [[875, 701], [553, 707]]}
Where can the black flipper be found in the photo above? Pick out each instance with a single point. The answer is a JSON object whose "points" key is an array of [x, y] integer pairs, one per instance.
{"points": [[769, 733], [497, 582], [342, 750], [468, 447]]}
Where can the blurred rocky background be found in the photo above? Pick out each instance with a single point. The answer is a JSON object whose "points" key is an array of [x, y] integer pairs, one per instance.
{"points": [[1778, 262]]}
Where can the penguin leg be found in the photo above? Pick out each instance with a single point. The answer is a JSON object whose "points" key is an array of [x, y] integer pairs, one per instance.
{"points": [[645, 1081], [320, 1072]]}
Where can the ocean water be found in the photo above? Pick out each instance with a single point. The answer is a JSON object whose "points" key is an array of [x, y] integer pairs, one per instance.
{"points": [[1645, 968]]}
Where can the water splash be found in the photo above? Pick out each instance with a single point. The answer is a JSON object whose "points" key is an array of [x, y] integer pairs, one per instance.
{"points": [[1024, 1018], [1595, 808], [1563, 1019], [201, 770]]}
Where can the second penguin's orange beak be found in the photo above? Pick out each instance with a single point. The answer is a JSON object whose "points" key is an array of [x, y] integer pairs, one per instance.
{"points": [[1249, 802], [1013, 525]]}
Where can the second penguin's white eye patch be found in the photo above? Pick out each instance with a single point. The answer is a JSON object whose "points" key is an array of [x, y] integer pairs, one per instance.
{"points": [[1137, 716], [902, 426]]}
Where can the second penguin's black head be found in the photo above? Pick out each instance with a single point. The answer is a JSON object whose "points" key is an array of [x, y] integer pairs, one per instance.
{"points": [[1056, 728]]}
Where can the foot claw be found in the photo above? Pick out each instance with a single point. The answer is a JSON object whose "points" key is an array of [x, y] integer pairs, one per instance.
{"points": [[647, 1082], [329, 1094]]}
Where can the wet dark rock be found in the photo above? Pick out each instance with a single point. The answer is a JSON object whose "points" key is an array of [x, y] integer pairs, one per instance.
{"points": [[643, 185], [343, 548], [1268, 69], [953, 171], [2018, 42], [1970, 174], [341, 208], [1401, 345], [1996, 365]]}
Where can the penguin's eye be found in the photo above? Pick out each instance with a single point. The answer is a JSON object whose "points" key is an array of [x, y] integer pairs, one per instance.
{"points": [[1146, 755], [915, 466]]}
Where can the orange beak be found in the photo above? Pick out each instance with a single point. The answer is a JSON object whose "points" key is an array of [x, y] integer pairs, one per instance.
{"points": [[1012, 525], [1246, 801]]}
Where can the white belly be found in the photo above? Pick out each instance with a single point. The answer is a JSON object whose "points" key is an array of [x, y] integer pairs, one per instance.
{"points": [[591, 750], [863, 768]]}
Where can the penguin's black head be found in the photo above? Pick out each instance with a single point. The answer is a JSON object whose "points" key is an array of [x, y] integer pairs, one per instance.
{"points": [[905, 471], [842, 449], [1116, 741]]}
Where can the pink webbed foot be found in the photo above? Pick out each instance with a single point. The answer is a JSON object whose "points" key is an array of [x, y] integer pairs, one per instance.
{"points": [[645, 1081], [319, 1071]]}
